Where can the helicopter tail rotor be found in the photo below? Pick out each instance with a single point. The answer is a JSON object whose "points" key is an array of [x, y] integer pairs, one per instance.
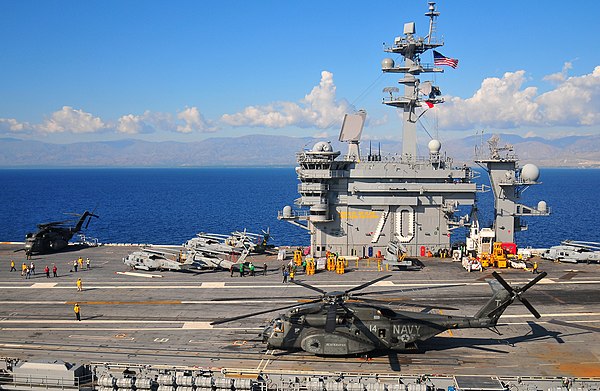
{"points": [[503, 298]]}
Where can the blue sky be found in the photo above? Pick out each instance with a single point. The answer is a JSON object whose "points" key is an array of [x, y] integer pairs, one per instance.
{"points": [[187, 70]]}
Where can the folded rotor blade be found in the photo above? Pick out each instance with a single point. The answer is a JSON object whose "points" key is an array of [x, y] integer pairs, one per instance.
{"points": [[330, 320], [221, 321], [366, 284], [314, 288], [403, 290], [401, 302]]}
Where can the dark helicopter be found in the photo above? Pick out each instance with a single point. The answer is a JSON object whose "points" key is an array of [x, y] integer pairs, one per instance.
{"points": [[55, 236], [344, 323]]}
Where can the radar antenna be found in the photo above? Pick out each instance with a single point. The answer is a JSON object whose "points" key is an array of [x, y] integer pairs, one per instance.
{"points": [[433, 14]]}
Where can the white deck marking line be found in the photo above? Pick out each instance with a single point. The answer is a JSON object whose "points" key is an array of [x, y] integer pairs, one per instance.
{"points": [[384, 283], [212, 302], [140, 274], [197, 325], [32, 302], [100, 338], [212, 285], [44, 285], [556, 315], [88, 329]]}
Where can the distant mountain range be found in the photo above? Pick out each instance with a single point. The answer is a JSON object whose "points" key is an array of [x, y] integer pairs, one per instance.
{"points": [[262, 150]]}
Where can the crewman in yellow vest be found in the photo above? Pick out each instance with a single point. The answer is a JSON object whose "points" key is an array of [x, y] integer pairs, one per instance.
{"points": [[79, 285], [12, 266], [77, 311]]}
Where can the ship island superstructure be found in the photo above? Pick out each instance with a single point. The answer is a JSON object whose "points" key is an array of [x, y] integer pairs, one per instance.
{"points": [[358, 204]]}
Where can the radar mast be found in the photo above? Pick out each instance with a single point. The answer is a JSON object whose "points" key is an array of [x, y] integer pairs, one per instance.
{"points": [[411, 47]]}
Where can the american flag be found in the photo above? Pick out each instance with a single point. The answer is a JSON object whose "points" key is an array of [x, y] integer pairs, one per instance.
{"points": [[440, 59]]}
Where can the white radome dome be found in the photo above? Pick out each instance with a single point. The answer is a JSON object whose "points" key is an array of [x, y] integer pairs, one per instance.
{"points": [[434, 146], [530, 173]]}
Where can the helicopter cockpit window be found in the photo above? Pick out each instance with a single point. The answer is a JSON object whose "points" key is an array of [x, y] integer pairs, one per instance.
{"points": [[278, 327], [381, 333]]}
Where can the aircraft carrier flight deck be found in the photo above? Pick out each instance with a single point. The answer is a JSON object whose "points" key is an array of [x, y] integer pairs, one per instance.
{"points": [[163, 317]]}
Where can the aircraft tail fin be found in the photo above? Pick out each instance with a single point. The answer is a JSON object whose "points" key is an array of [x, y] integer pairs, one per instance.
{"points": [[86, 215]]}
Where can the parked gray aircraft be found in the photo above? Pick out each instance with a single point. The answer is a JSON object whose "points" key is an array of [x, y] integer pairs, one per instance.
{"points": [[574, 251], [235, 243], [171, 258], [342, 323]]}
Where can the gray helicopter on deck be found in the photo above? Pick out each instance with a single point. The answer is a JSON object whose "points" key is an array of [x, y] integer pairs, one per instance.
{"points": [[55, 236], [173, 258], [342, 323], [574, 251]]}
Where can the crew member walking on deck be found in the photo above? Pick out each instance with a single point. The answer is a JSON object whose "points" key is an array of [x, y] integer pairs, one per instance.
{"points": [[87, 264], [77, 311], [241, 269], [12, 266], [79, 285], [264, 269], [285, 275], [47, 271], [54, 269], [251, 267], [535, 268], [23, 268]]}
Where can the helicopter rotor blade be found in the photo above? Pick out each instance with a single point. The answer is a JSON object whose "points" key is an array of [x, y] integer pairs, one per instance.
{"points": [[314, 288], [405, 290], [330, 320], [527, 304], [503, 283], [366, 284], [401, 302], [226, 320], [533, 282]]}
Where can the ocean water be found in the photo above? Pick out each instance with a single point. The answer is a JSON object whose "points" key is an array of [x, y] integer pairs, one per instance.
{"points": [[169, 206]]}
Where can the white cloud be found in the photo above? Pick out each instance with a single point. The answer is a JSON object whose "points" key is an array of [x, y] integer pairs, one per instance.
{"points": [[77, 121], [505, 103], [193, 121], [12, 125], [573, 102], [560, 76], [318, 109], [148, 122], [130, 124], [72, 120]]}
